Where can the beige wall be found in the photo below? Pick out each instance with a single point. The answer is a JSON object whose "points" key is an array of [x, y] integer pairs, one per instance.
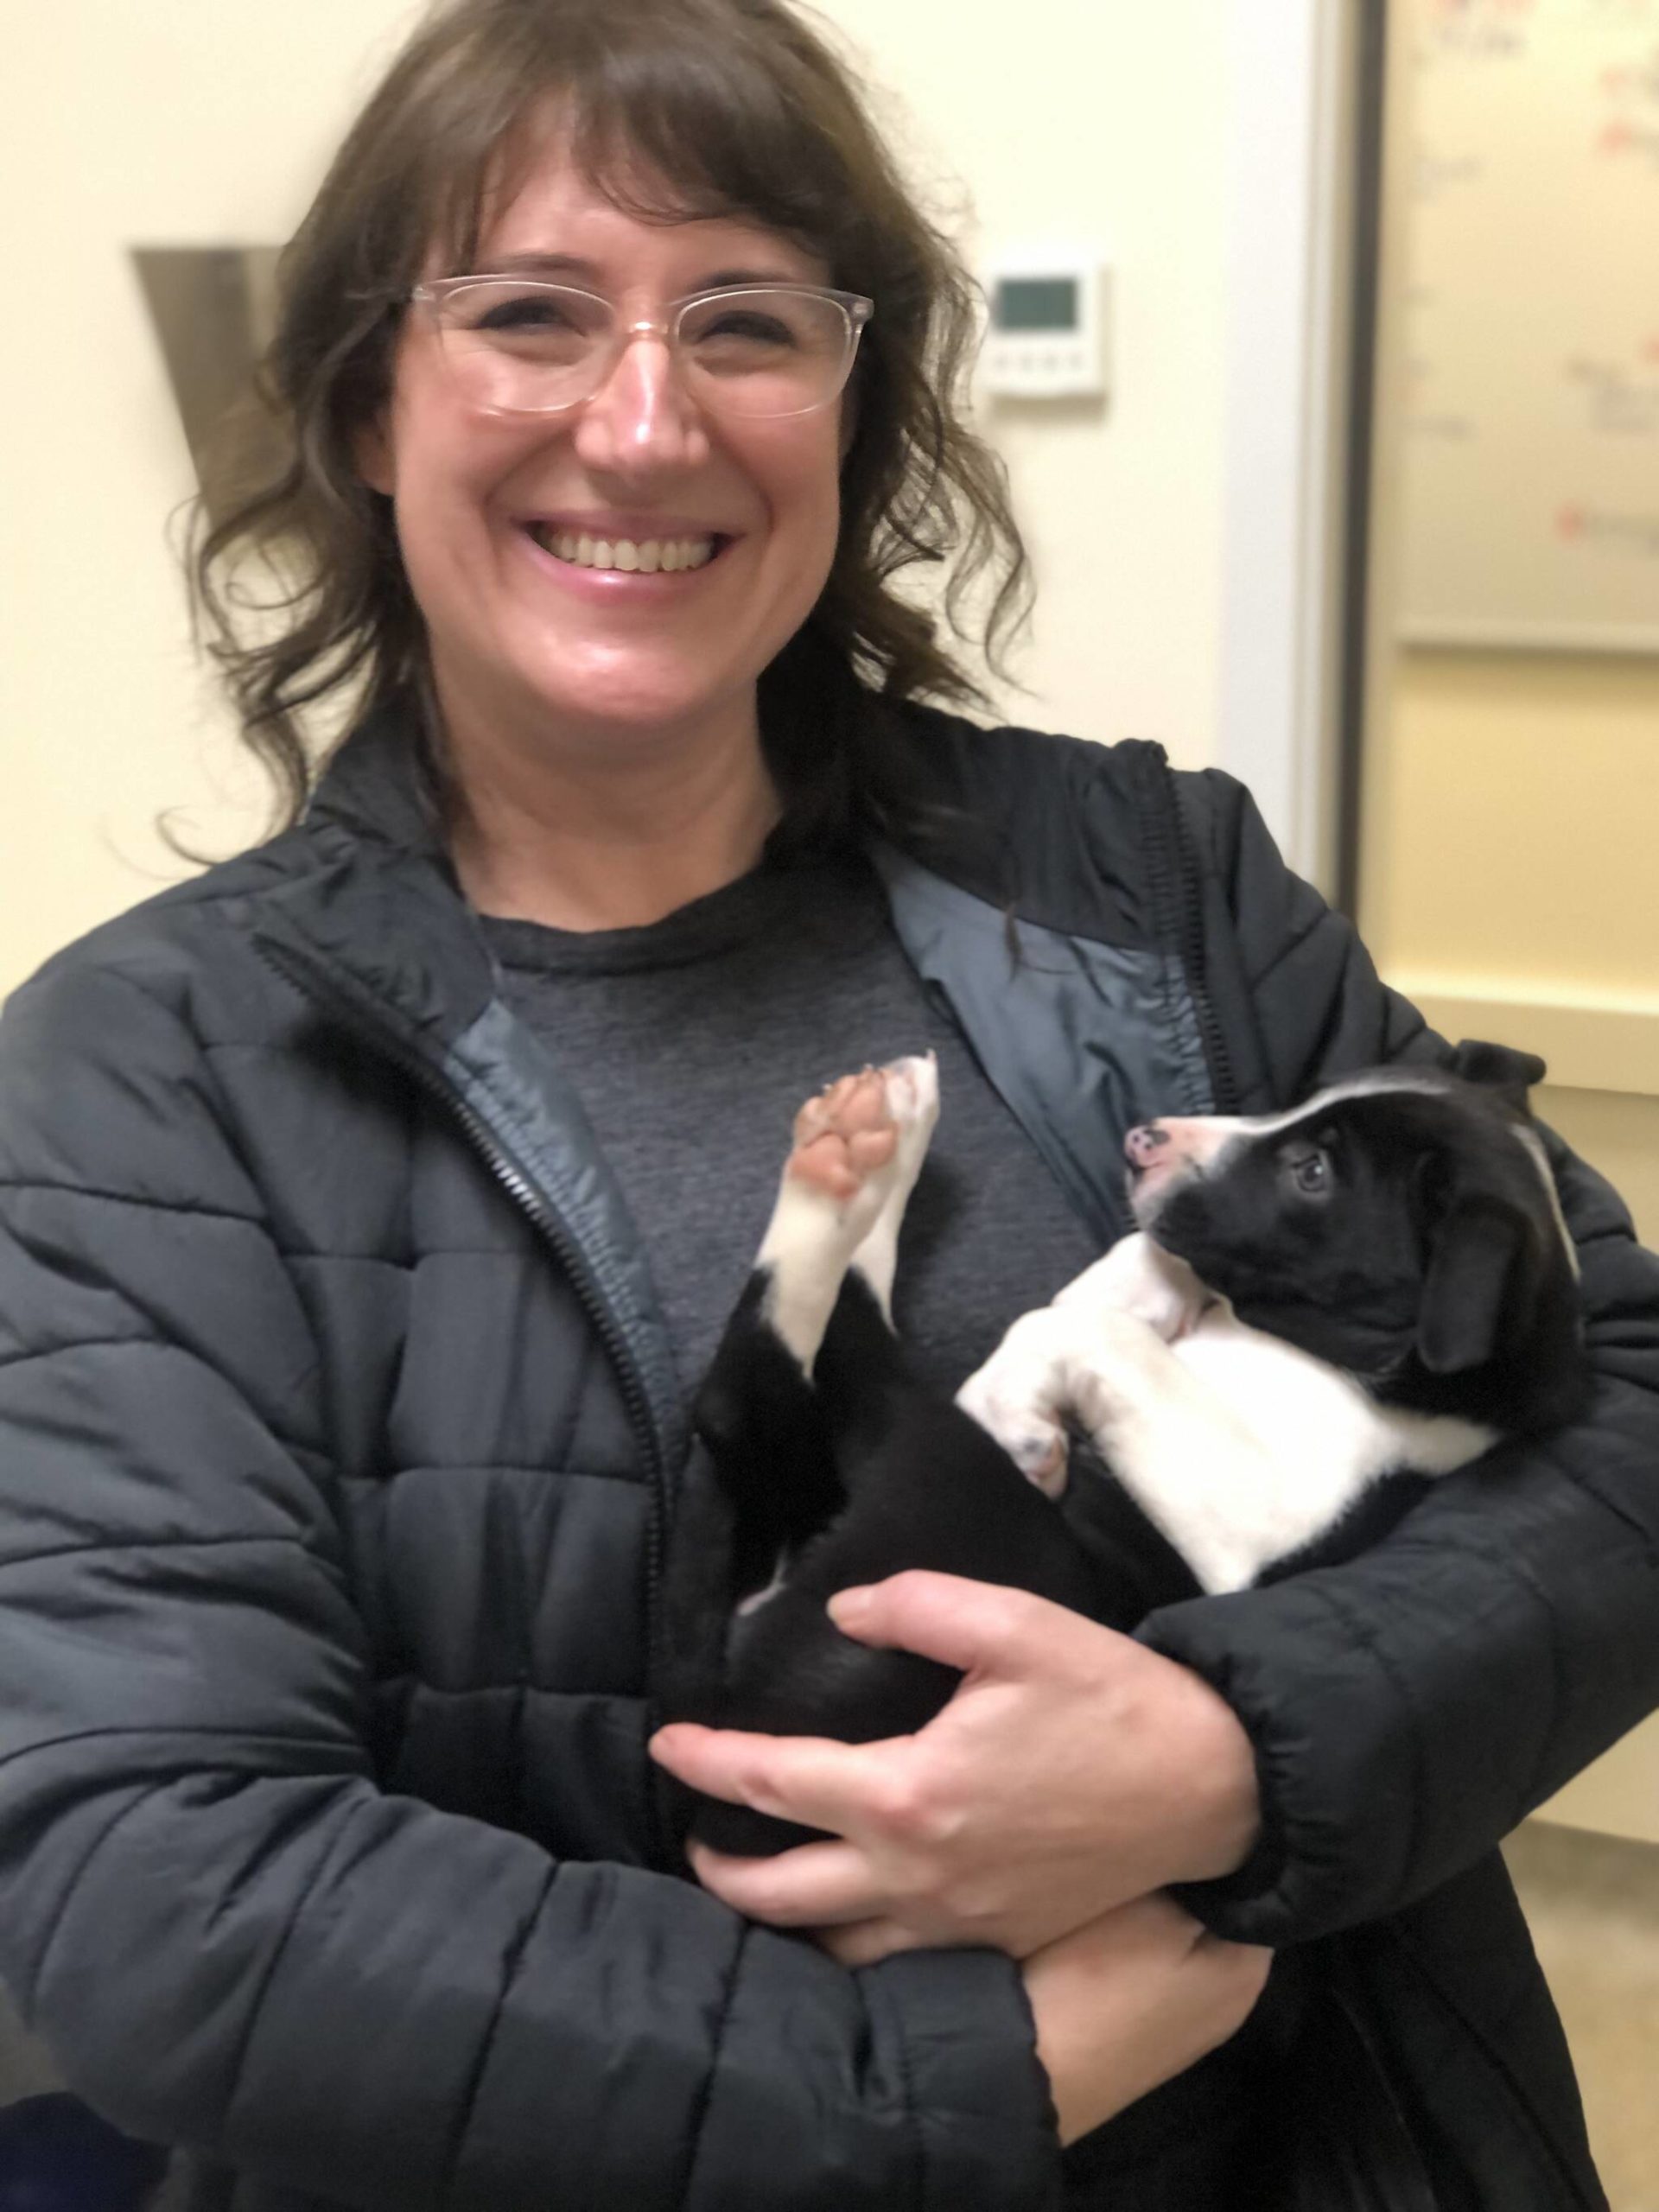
{"points": [[197, 121], [179, 122], [1106, 119]]}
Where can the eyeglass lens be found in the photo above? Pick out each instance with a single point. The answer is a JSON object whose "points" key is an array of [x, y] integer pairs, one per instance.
{"points": [[523, 347]]}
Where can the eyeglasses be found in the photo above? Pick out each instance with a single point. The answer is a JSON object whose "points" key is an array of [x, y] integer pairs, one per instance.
{"points": [[519, 347]]}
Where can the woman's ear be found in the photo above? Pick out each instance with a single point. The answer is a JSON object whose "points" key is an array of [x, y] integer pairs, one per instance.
{"points": [[849, 421], [371, 451]]}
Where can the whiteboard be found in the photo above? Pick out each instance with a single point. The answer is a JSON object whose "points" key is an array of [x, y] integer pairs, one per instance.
{"points": [[1529, 507]]}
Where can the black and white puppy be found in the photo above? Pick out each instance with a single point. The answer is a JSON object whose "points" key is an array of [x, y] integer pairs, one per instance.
{"points": [[1322, 1312]]}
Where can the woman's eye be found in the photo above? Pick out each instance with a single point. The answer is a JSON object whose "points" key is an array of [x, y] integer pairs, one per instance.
{"points": [[527, 312], [755, 329]]}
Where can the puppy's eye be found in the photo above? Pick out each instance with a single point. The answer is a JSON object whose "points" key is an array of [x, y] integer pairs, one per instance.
{"points": [[1312, 1175]]}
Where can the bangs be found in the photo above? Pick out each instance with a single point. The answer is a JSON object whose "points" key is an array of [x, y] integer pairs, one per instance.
{"points": [[666, 120]]}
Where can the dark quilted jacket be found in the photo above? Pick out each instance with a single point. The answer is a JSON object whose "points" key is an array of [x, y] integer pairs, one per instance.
{"points": [[339, 1455]]}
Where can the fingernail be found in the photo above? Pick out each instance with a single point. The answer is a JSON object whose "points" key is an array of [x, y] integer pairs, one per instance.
{"points": [[848, 1607]]}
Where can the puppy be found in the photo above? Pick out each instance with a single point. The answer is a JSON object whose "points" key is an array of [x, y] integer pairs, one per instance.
{"points": [[1322, 1312]]}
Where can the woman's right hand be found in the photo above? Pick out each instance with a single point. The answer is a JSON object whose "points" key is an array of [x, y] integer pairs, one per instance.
{"points": [[1131, 1999]]}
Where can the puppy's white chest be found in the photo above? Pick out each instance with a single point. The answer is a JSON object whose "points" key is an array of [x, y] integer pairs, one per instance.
{"points": [[1309, 1414], [1319, 1441], [1309, 1411]]}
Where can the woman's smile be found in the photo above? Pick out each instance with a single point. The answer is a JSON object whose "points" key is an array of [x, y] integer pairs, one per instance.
{"points": [[627, 560], [609, 551]]}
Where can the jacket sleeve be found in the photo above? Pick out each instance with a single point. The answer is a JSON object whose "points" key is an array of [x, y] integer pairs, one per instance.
{"points": [[1408, 1708], [229, 1935]]}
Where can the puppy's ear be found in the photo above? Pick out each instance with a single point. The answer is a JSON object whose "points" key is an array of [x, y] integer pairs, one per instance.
{"points": [[1500, 1068], [1476, 1256]]}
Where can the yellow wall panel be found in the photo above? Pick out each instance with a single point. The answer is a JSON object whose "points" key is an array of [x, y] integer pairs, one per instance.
{"points": [[1512, 837]]}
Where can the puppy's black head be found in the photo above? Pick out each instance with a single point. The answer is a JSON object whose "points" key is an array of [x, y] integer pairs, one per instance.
{"points": [[1402, 1225]]}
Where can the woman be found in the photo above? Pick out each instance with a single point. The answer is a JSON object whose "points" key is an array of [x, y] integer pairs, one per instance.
{"points": [[369, 1203]]}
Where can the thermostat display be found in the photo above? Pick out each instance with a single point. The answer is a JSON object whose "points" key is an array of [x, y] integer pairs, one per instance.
{"points": [[1044, 304], [1047, 339]]}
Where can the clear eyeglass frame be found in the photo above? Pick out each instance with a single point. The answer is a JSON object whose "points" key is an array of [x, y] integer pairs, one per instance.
{"points": [[470, 367]]}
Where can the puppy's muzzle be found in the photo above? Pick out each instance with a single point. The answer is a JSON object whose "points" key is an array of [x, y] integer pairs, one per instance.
{"points": [[1166, 1143], [1163, 1153], [1145, 1147]]}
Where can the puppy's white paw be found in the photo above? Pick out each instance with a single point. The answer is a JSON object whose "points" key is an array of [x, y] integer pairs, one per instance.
{"points": [[859, 1147], [861, 1142], [1036, 1443]]}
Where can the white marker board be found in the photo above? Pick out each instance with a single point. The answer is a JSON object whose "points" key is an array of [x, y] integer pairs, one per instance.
{"points": [[1530, 508]]}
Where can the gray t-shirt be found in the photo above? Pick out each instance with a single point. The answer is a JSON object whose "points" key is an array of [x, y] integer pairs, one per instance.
{"points": [[692, 1042]]}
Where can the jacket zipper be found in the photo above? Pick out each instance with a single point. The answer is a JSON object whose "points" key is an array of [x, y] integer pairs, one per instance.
{"points": [[1173, 874], [360, 1012]]}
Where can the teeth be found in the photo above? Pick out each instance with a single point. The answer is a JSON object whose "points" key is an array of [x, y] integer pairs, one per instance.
{"points": [[665, 555]]}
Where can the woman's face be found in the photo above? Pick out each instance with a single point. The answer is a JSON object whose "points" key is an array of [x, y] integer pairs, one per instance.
{"points": [[528, 649]]}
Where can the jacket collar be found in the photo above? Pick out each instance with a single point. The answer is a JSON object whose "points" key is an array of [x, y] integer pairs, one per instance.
{"points": [[377, 902], [380, 784]]}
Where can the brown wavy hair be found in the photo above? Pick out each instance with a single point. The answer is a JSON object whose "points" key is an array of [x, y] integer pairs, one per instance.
{"points": [[730, 106]]}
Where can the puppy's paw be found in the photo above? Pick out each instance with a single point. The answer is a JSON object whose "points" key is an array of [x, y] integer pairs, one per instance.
{"points": [[862, 1138], [1036, 1443], [842, 1136], [1040, 1450]]}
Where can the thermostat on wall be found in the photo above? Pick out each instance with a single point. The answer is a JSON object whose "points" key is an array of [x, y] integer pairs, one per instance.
{"points": [[1047, 335]]}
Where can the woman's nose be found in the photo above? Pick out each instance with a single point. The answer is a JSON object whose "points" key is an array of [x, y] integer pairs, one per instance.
{"points": [[640, 422]]}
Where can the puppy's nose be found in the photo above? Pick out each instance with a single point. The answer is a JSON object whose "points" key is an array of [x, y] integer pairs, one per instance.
{"points": [[1143, 1145]]}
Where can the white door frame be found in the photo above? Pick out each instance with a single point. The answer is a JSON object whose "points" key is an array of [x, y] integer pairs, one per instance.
{"points": [[1290, 190]]}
